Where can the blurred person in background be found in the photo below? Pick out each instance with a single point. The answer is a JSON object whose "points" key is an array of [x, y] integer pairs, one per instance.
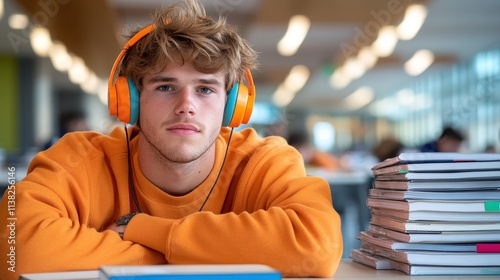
{"points": [[448, 142], [312, 156]]}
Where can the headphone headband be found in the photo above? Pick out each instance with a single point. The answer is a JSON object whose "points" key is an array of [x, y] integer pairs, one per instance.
{"points": [[123, 96]]}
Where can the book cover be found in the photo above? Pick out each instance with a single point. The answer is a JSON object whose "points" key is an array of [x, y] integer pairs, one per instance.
{"points": [[405, 246], [436, 195], [442, 176], [448, 237], [438, 215], [186, 272], [436, 205], [431, 186], [67, 275], [379, 262], [405, 158], [438, 167], [433, 226], [434, 258]]}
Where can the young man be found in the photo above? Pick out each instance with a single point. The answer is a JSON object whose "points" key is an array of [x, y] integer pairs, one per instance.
{"points": [[179, 187]]}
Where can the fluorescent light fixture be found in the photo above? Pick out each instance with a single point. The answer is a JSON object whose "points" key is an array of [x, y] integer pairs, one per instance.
{"points": [[297, 78], [367, 57], [340, 79], [102, 91], [354, 68], [18, 21], [59, 56], [283, 96], [40, 41], [405, 97], [413, 20], [2, 9], [78, 72], [294, 36], [359, 98], [386, 41], [294, 82], [90, 85], [419, 62]]}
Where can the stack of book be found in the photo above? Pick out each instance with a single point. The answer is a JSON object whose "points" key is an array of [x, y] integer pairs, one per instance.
{"points": [[434, 214]]}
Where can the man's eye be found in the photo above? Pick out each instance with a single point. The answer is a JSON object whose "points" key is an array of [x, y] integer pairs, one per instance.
{"points": [[164, 88], [206, 90]]}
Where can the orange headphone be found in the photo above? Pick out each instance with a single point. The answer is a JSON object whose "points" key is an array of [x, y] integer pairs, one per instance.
{"points": [[123, 96]]}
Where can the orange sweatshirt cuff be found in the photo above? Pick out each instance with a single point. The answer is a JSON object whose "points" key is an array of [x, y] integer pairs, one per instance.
{"points": [[152, 232]]}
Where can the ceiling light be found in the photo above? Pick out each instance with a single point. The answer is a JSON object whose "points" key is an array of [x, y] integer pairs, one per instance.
{"points": [[405, 97], [78, 72], [90, 85], [59, 56], [360, 98], [294, 82], [18, 21], [40, 41], [414, 18], [420, 61], [2, 8], [297, 78], [294, 36], [367, 57], [386, 41], [340, 79], [354, 68], [283, 96]]}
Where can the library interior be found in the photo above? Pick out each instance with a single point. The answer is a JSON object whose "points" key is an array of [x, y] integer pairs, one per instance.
{"points": [[394, 103]]}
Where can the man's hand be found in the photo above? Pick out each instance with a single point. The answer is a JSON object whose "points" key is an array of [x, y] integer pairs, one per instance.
{"points": [[121, 223]]}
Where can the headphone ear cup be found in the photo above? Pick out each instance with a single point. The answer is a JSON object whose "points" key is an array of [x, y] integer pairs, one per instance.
{"points": [[234, 111], [134, 102], [123, 99]]}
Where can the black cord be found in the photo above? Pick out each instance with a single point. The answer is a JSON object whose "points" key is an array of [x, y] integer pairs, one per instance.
{"points": [[130, 175], [220, 170]]}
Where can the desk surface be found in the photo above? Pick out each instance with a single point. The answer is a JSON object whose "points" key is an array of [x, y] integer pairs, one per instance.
{"points": [[347, 270]]}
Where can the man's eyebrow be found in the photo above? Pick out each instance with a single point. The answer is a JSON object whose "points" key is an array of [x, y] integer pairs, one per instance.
{"points": [[159, 78], [207, 81]]}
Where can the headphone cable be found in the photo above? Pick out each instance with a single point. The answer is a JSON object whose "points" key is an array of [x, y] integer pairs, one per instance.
{"points": [[131, 178], [220, 170]]}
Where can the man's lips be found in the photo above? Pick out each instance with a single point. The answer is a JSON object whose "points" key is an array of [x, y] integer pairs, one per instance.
{"points": [[183, 128]]}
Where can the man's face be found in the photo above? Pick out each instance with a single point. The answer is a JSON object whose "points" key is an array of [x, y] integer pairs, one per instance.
{"points": [[449, 145], [181, 112]]}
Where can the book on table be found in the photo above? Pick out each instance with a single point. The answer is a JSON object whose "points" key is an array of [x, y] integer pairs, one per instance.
{"points": [[443, 216], [435, 195], [446, 237], [208, 271], [436, 205], [434, 214], [153, 272], [442, 176], [440, 258], [379, 262], [432, 186], [480, 247], [433, 226], [438, 167], [409, 158]]}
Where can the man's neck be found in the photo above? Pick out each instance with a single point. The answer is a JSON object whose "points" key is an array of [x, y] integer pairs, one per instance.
{"points": [[174, 178]]}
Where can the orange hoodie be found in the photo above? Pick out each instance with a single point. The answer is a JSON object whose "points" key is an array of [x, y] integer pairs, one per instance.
{"points": [[74, 190]]}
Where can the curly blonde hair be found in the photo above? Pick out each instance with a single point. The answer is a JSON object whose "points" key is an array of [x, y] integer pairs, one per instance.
{"points": [[184, 34]]}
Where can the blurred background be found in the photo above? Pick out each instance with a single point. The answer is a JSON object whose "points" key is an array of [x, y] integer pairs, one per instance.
{"points": [[357, 81], [348, 73]]}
